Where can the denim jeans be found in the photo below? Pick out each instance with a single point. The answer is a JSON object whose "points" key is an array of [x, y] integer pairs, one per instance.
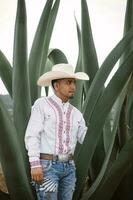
{"points": [[59, 180]]}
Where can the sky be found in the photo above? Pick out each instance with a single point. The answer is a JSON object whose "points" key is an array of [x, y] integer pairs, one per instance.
{"points": [[107, 22]]}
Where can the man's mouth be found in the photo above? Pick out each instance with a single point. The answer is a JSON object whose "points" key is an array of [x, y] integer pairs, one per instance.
{"points": [[71, 92]]}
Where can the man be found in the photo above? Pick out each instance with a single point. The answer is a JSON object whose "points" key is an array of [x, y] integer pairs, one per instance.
{"points": [[53, 130]]}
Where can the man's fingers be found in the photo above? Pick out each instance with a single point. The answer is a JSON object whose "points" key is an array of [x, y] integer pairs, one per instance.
{"points": [[37, 174], [39, 178]]}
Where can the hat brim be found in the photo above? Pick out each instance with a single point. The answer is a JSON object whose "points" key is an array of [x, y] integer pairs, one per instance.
{"points": [[45, 79]]}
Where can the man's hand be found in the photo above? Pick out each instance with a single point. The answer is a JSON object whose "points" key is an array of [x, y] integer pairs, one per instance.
{"points": [[37, 174]]}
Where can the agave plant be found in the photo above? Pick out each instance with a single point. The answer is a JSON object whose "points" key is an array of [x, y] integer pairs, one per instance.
{"points": [[105, 158]]}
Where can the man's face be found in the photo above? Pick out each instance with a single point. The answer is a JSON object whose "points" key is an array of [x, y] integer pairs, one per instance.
{"points": [[66, 87]]}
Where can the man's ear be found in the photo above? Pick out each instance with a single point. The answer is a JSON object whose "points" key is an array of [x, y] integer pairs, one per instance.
{"points": [[56, 86]]}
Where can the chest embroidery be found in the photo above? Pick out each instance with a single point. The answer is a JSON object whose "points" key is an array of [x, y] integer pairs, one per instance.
{"points": [[62, 146]]}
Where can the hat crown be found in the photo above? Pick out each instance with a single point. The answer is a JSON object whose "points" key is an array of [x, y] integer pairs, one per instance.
{"points": [[67, 68], [60, 71]]}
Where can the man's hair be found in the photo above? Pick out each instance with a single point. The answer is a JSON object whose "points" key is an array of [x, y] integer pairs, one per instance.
{"points": [[54, 81]]}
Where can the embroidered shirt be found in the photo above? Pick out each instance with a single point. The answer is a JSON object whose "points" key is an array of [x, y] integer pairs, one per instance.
{"points": [[54, 128]]}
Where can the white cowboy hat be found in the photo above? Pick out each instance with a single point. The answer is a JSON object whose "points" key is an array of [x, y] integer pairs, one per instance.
{"points": [[60, 71]]}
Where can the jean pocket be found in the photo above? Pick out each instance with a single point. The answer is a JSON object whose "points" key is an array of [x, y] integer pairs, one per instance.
{"points": [[46, 164], [72, 164]]}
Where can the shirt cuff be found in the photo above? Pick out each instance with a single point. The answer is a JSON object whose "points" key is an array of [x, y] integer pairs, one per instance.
{"points": [[34, 162], [82, 136]]}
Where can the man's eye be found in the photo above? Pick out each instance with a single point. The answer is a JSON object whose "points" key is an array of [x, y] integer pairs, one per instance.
{"points": [[69, 82]]}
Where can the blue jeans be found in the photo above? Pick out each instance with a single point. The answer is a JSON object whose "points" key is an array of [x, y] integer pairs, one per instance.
{"points": [[59, 180]]}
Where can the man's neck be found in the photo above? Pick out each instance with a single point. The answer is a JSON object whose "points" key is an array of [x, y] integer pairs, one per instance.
{"points": [[64, 99]]}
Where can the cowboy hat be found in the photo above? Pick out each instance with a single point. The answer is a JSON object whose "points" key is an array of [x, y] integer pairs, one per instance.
{"points": [[60, 71]]}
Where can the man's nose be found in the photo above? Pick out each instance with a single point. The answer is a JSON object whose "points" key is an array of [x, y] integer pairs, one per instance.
{"points": [[73, 85]]}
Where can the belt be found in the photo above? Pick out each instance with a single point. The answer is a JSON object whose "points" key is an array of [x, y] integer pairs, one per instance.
{"points": [[60, 157]]}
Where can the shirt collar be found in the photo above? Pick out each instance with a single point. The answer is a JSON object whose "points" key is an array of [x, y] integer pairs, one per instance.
{"points": [[59, 101]]}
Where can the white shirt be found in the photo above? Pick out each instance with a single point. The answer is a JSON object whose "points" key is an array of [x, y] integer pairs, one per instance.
{"points": [[54, 128]]}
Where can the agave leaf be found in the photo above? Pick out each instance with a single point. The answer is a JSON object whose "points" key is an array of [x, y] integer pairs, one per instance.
{"points": [[10, 153], [97, 121], [130, 107], [48, 67], [101, 76], [129, 103], [39, 51], [97, 160], [90, 62], [4, 196], [129, 16], [124, 190], [6, 72], [107, 131], [51, 22], [36, 50], [79, 66], [127, 26], [118, 170], [21, 92], [57, 56], [78, 97], [124, 129], [102, 174]]}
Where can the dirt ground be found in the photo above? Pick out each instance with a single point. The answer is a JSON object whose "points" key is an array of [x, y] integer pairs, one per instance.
{"points": [[2, 181]]}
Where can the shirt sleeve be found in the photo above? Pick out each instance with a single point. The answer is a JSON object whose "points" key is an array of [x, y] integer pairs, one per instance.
{"points": [[82, 129], [33, 135]]}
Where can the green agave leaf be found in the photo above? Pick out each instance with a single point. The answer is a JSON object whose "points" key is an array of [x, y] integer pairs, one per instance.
{"points": [[101, 76], [51, 22], [6, 72], [118, 170], [90, 62], [48, 67], [129, 16], [21, 92], [11, 159], [4, 196], [78, 97], [97, 121], [123, 128], [107, 131], [79, 66], [97, 160], [57, 56], [102, 174], [36, 51], [127, 25], [40, 46], [128, 102], [130, 107]]}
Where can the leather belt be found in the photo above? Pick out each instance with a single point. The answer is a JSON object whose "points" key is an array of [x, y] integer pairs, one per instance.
{"points": [[61, 157]]}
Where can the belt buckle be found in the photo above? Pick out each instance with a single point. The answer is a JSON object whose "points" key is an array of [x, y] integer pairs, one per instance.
{"points": [[63, 157]]}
